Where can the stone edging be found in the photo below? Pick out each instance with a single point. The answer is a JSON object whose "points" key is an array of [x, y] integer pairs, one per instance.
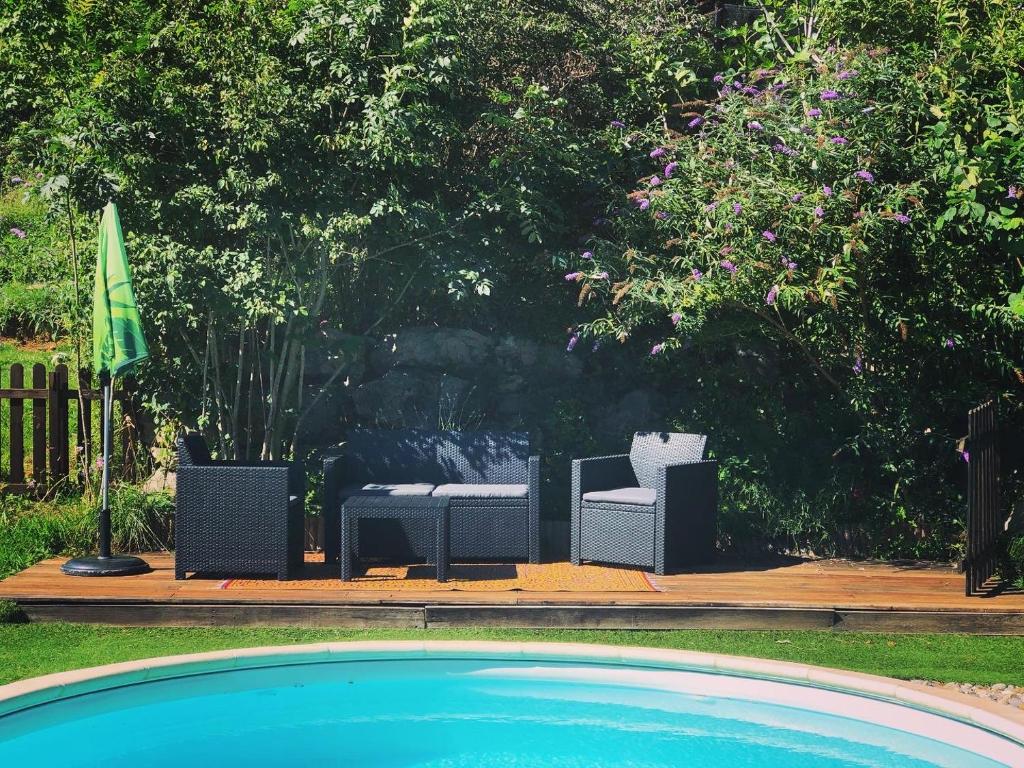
{"points": [[988, 715]]}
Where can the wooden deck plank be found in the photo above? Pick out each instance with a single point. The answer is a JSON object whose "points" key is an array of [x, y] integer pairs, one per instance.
{"points": [[820, 594]]}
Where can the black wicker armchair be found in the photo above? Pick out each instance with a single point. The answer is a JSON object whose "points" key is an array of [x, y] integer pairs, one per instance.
{"points": [[654, 507], [490, 479], [234, 518]]}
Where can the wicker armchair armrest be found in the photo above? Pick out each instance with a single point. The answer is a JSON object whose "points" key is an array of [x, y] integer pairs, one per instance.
{"points": [[296, 472], [694, 482], [601, 473], [533, 482], [687, 514], [330, 509]]}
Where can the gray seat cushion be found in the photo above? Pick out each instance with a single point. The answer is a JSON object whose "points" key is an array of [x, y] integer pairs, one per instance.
{"points": [[637, 496], [483, 490], [388, 489]]}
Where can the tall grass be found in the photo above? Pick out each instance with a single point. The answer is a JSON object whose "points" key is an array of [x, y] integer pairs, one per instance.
{"points": [[34, 530]]}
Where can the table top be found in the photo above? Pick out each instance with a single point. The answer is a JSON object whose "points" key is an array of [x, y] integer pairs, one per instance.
{"points": [[398, 503]]}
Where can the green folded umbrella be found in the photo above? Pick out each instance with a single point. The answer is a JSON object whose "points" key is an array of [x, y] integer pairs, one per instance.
{"points": [[117, 345], [117, 340]]}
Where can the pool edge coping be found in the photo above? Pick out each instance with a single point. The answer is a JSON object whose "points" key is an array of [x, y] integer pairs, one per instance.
{"points": [[988, 715]]}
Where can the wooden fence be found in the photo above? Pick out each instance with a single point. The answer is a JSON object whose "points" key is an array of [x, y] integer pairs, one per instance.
{"points": [[984, 507], [46, 413]]}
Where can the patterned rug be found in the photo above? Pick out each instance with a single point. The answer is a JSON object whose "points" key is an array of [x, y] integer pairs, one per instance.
{"points": [[462, 577]]}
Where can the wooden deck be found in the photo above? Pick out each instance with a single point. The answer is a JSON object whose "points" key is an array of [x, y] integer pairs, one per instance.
{"points": [[818, 594]]}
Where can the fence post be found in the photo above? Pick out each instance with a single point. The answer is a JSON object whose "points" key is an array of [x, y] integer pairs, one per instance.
{"points": [[39, 428], [58, 433], [17, 436], [84, 442]]}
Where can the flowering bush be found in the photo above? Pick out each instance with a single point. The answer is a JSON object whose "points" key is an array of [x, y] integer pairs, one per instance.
{"points": [[797, 212]]}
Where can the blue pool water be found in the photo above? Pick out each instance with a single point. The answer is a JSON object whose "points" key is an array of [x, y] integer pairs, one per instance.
{"points": [[456, 713]]}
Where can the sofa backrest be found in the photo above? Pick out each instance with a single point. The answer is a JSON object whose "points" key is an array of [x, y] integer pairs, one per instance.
{"points": [[192, 450], [651, 450], [423, 456], [390, 456], [484, 457]]}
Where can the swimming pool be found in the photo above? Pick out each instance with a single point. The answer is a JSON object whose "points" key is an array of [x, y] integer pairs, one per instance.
{"points": [[452, 705]]}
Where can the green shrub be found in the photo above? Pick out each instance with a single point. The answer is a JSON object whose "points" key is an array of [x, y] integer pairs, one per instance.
{"points": [[10, 613], [1011, 565]]}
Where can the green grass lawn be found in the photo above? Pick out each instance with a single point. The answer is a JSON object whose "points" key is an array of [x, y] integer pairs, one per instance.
{"points": [[27, 650]]}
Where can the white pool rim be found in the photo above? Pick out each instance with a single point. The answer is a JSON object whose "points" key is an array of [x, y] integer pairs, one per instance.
{"points": [[982, 727]]}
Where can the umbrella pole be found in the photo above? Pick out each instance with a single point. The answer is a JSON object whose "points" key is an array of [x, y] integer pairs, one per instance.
{"points": [[105, 563], [108, 407]]}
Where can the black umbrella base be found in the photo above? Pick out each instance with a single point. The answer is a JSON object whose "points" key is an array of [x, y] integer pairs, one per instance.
{"points": [[115, 565]]}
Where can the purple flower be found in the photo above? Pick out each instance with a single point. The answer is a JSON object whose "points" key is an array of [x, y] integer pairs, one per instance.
{"points": [[858, 366], [718, 79], [847, 74], [749, 90], [710, 206], [728, 226], [657, 348], [840, 140], [902, 218], [572, 277], [601, 276], [790, 265], [797, 197], [783, 149], [644, 204], [865, 176], [829, 95], [19, 233], [697, 274], [819, 212], [17, 180], [661, 215], [657, 152], [655, 181], [949, 344], [588, 255], [826, 191], [753, 125], [695, 122], [728, 266], [814, 112], [618, 124], [670, 169], [676, 317], [1011, 192], [737, 208], [769, 236], [772, 295], [966, 456], [573, 341]]}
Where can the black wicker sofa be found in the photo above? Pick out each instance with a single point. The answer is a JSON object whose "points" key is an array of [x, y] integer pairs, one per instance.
{"points": [[491, 480]]}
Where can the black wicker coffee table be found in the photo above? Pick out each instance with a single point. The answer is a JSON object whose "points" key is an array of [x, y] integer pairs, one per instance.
{"points": [[402, 508]]}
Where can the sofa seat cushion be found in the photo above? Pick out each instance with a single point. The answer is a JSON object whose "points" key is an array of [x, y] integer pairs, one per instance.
{"points": [[483, 490], [388, 489], [645, 497]]}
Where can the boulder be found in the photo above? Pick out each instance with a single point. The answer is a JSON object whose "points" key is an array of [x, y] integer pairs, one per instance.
{"points": [[456, 350], [414, 398]]}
